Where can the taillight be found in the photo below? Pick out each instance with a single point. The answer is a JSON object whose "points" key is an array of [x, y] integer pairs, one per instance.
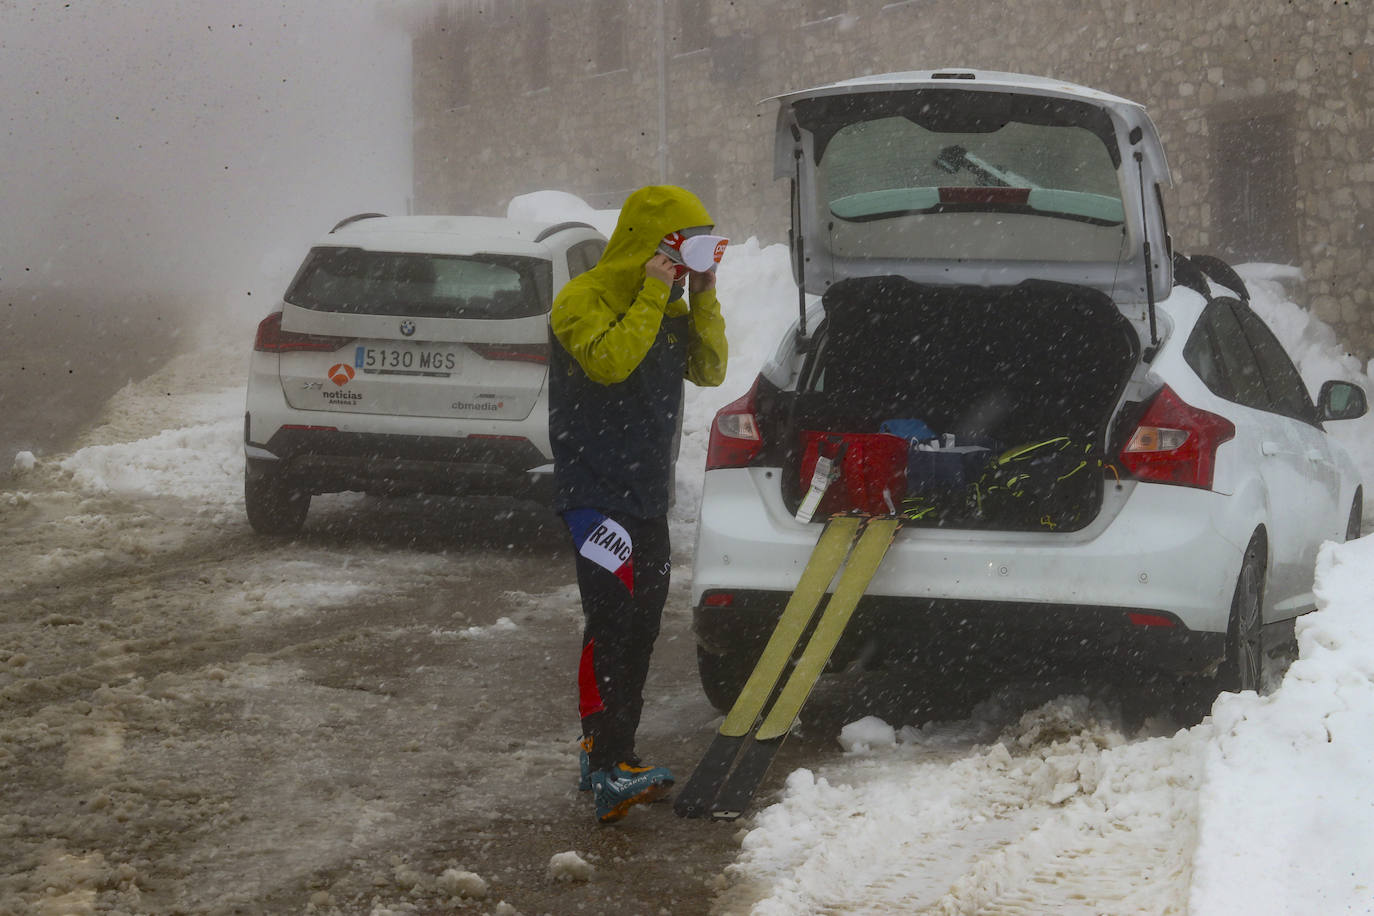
{"points": [[272, 339], [735, 439], [518, 353], [1176, 443]]}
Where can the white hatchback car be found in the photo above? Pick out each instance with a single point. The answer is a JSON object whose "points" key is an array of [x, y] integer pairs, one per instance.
{"points": [[409, 355], [995, 271]]}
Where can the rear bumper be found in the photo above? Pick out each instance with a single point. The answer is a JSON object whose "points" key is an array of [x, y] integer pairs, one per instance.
{"points": [[1014, 636], [331, 461], [1156, 550], [336, 451]]}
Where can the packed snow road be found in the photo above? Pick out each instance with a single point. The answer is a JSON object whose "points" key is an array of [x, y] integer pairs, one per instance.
{"points": [[378, 717], [375, 715]]}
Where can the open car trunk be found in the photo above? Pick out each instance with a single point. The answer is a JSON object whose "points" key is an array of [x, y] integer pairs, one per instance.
{"points": [[1034, 370]]}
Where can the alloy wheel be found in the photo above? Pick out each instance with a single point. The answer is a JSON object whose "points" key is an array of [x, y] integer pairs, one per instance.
{"points": [[1246, 649]]}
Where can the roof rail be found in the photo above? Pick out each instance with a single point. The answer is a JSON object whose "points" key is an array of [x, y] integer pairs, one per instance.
{"points": [[562, 227], [353, 219]]}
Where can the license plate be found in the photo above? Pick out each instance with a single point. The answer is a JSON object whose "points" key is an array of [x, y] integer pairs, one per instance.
{"points": [[431, 361]]}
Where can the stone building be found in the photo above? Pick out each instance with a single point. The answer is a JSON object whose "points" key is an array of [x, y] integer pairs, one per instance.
{"points": [[1263, 106]]}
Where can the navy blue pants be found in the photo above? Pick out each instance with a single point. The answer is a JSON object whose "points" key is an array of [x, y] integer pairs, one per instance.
{"points": [[623, 569]]}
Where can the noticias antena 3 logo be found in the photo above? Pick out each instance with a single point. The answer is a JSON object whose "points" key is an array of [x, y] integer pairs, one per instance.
{"points": [[341, 374]]}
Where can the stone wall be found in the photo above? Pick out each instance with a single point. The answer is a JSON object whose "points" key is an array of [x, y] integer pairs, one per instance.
{"points": [[512, 97]]}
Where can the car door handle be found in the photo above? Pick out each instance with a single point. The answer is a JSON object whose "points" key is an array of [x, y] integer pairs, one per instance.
{"points": [[1269, 448]]}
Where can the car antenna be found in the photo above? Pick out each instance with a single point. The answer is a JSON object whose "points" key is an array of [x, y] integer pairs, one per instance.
{"points": [[1145, 232]]}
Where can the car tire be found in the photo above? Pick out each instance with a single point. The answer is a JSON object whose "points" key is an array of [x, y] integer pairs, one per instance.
{"points": [[1352, 527], [723, 675], [1243, 667], [274, 506]]}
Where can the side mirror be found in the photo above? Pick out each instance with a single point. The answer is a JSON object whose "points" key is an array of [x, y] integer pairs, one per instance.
{"points": [[1341, 401]]}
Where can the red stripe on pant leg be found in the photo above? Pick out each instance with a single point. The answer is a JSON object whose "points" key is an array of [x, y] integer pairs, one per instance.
{"points": [[588, 694]]}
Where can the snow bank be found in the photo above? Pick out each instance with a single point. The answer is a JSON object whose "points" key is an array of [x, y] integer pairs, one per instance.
{"points": [[193, 462], [558, 207], [178, 433], [1059, 802], [1287, 806]]}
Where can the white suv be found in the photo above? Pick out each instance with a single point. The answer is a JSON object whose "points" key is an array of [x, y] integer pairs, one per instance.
{"points": [[995, 270], [409, 355]]}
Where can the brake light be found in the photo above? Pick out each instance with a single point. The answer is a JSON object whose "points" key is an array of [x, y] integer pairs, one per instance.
{"points": [[992, 196], [272, 339], [1176, 443], [718, 599], [735, 439], [516, 353], [1150, 620]]}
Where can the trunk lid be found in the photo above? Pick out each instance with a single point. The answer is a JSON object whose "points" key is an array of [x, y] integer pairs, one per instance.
{"points": [[974, 177]]}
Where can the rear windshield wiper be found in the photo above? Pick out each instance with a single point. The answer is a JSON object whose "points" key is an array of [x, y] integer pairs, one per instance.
{"points": [[953, 158]]}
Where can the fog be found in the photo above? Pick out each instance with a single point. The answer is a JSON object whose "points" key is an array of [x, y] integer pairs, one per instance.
{"points": [[166, 162], [181, 144]]}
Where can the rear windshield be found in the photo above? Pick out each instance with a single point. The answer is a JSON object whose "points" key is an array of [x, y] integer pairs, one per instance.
{"points": [[891, 166], [961, 175], [355, 281]]}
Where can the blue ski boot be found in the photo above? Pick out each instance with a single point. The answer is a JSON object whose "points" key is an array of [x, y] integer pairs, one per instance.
{"points": [[616, 790]]}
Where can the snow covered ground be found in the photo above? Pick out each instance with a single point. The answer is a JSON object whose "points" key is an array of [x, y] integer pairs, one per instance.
{"points": [[1267, 806]]}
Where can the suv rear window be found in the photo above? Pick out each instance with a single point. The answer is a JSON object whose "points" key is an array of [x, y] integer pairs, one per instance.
{"points": [[356, 281]]}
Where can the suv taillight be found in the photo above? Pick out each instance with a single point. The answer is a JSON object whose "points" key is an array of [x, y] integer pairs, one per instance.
{"points": [[1176, 443], [272, 339], [735, 439]]}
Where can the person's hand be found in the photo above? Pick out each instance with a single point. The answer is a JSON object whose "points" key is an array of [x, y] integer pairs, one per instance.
{"points": [[660, 267], [701, 281]]}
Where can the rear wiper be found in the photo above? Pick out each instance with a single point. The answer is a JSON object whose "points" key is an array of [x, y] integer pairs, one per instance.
{"points": [[953, 158]]}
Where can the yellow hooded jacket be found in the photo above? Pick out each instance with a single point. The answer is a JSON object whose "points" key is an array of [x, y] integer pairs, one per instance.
{"points": [[615, 383]]}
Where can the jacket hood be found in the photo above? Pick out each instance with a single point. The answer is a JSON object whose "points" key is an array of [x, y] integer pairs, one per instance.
{"points": [[645, 218]]}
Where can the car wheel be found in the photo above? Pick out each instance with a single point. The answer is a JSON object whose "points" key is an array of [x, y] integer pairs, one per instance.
{"points": [[1352, 527], [723, 675], [1244, 640], [274, 507]]}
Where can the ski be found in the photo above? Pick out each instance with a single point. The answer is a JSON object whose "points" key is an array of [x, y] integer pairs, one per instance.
{"points": [[757, 755], [839, 535]]}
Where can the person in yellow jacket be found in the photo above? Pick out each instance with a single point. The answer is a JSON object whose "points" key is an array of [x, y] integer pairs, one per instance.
{"points": [[626, 340]]}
